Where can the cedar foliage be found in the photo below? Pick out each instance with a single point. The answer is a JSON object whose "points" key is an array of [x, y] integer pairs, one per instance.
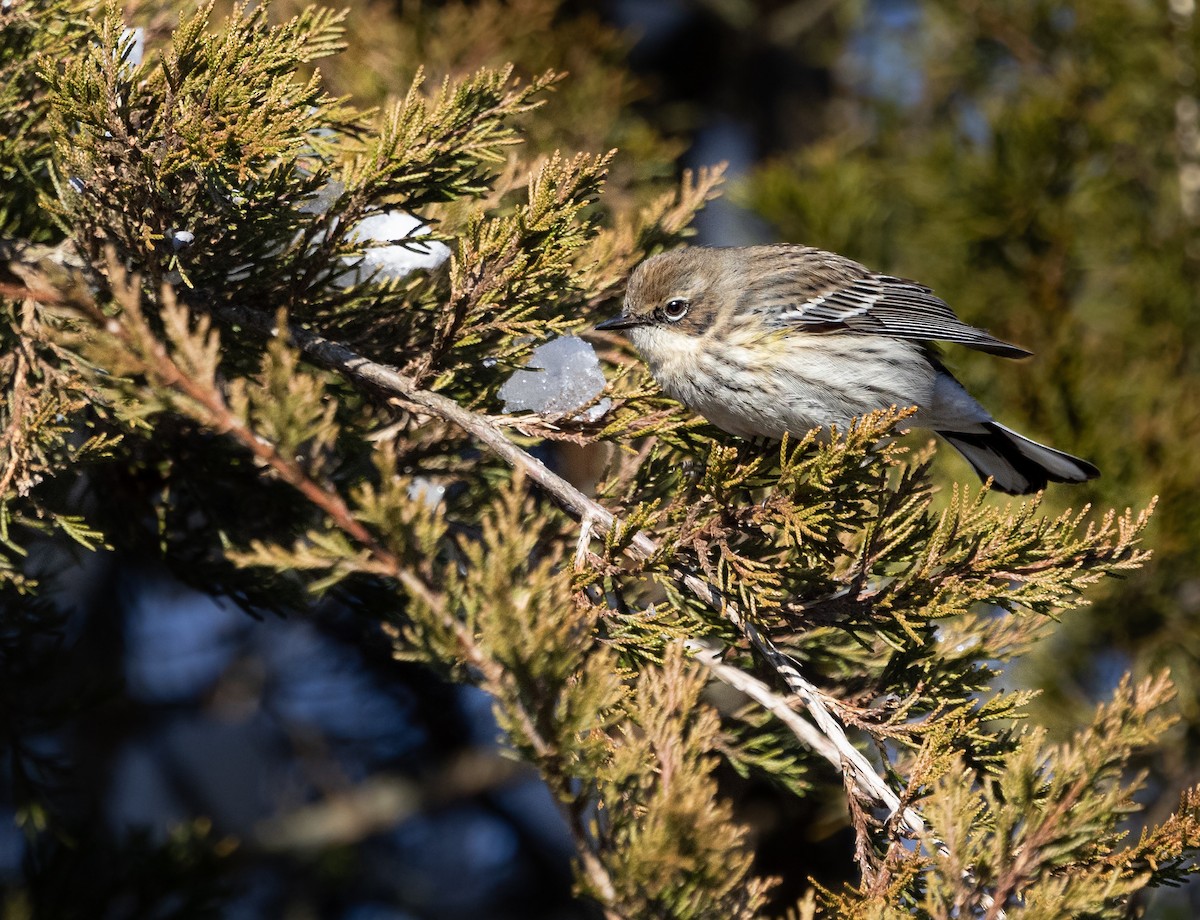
{"points": [[260, 470]]}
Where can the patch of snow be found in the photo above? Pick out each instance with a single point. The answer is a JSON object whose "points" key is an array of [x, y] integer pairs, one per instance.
{"points": [[137, 50], [396, 259], [563, 374]]}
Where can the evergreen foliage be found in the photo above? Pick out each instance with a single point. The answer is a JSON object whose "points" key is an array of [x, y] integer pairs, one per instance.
{"points": [[198, 355]]}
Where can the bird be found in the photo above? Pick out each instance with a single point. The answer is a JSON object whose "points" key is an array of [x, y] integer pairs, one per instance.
{"points": [[781, 339]]}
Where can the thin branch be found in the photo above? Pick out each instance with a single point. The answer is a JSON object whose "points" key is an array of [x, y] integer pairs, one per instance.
{"points": [[14, 436], [710, 656], [388, 380], [853, 762]]}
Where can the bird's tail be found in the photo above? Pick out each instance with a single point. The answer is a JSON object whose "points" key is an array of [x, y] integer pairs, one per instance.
{"points": [[1016, 464]]}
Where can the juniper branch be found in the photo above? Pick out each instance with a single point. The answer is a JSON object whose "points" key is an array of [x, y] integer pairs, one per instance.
{"points": [[836, 747], [222, 419], [833, 745]]}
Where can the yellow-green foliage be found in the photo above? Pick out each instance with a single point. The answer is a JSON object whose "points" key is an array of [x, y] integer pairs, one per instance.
{"points": [[33, 37], [276, 475]]}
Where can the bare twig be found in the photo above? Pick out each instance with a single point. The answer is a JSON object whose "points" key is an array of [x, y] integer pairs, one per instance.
{"points": [[390, 381], [710, 656]]}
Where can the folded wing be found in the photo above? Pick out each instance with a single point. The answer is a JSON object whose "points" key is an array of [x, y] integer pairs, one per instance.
{"points": [[881, 305]]}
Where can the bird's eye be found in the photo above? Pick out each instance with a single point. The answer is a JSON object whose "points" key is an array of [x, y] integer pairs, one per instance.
{"points": [[676, 309]]}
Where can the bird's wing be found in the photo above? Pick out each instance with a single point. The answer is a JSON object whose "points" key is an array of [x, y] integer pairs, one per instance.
{"points": [[881, 305]]}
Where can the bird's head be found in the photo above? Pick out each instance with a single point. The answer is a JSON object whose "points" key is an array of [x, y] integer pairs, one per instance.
{"points": [[675, 291]]}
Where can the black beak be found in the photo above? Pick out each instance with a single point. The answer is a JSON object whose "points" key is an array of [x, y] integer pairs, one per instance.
{"points": [[619, 322]]}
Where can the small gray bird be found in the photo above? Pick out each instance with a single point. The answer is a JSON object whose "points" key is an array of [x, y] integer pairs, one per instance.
{"points": [[764, 340]]}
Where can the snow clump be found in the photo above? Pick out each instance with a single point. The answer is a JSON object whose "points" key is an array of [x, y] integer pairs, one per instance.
{"points": [[398, 229], [396, 260], [563, 374]]}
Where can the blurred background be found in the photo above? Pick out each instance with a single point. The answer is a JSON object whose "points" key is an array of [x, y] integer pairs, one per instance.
{"points": [[1036, 163]]}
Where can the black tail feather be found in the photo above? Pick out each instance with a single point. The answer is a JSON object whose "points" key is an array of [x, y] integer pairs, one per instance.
{"points": [[1017, 465]]}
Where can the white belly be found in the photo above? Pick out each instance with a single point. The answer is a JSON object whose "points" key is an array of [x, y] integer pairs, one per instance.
{"points": [[804, 383]]}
